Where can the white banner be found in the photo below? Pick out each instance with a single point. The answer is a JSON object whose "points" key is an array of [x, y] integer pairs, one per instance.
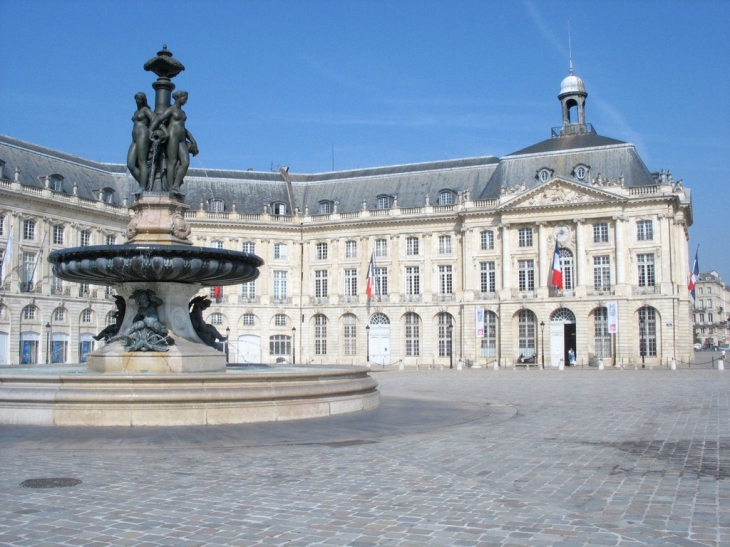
{"points": [[612, 316], [480, 322]]}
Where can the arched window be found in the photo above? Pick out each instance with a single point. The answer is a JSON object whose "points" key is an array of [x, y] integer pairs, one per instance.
{"points": [[647, 332], [526, 335], [248, 320], [29, 312], [87, 315], [55, 183], [278, 208], [562, 315], [384, 202], [216, 318], [280, 320], [111, 318], [446, 197], [566, 267], [489, 342], [379, 319], [601, 335], [543, 175], [445, 334], [320, 334], [59, 314], [413, 334], [325, 207], [349, 324]]}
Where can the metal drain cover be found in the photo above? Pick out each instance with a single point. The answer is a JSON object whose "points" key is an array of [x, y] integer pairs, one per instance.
{"points": [[49, 483]]}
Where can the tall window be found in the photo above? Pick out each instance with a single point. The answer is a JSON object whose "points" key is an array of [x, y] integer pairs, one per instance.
{"points": [[279, 285], [349, 323], [320, 283], [381, 247], [2, 217], [412, 246], [85, 238], [320, 334], [350, 282], [58, 235], [27, 271], [86, 315], [217, 244], [248, 289], [601, 335], [644, 230], [487, 277], [602, 273], [566, 267], [600, 233], [321, 251], [56, 183], [278, 208], [350, 249], [248, 247], [445, 334], [444, 245], [280, 251], [381, 281], [647, 337], [527, 324], [645, 263], [111, 239], [248, 320], [280, 320], [525, 237], [280, 344], [526, 275], [489, 342], [413, 280], [413, 335], [487, 240], [710, 318], [446, 280], [29, 230]]}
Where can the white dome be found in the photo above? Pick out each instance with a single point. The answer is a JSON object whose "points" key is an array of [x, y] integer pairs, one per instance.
{"points": [[572, 84]]}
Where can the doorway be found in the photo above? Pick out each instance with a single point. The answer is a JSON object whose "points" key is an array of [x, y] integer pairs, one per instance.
{"points": [[562, 336]]}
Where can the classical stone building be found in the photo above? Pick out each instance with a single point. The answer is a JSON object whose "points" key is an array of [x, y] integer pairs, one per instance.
{"points": [[710, 317], [462, 253]]}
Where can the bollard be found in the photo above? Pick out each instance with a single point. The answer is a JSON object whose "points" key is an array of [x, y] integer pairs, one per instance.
{"points": [[401, 366], [561, 365], [600, 364], [720, 364], [459, 365], [672, 364], [496, 365]]}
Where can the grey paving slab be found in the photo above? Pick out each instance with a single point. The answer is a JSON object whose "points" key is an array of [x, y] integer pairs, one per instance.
{"points": [[473, 457]]}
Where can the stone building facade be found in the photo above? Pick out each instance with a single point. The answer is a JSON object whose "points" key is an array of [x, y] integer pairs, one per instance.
{"points": [[462, 253], [710, 315]]}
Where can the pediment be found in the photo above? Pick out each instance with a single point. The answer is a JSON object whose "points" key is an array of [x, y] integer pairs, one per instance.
{"points": [[557, 192]]}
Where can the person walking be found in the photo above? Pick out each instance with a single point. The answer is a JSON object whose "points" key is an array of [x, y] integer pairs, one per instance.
{"points": [[571, 358]]}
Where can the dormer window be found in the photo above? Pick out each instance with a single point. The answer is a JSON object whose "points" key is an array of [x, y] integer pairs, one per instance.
{"points": [[107, 194], [384, 202], [2, 169], [446, 197], [55, 183], [325, 207], [217, 206], [581, 171], [278, 208], [543, 175]]}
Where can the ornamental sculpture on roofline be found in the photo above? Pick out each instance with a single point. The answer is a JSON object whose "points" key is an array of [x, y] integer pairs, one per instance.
{"points": [[159, 155]]}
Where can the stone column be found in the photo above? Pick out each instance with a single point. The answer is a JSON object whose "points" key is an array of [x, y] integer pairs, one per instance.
{"points": [[580, 258], [619, 250], [506, 262]]}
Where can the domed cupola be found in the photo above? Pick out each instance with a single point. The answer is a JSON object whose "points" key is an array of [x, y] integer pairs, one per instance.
{"points": [[573, 95]]}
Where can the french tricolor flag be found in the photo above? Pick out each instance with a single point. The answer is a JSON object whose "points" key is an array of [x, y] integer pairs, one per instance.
{"points": [[371, 277], [557, 277], [694, 276]]}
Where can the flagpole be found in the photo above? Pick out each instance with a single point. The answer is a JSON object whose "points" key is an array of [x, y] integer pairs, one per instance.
{"points": [[35, 265]]}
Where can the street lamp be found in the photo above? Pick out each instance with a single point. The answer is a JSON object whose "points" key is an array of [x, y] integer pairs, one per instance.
{"points": [[642, 339], [48, 342], [542, 341], [293, 345], [367, 332], [228, 338], [450, 328]]}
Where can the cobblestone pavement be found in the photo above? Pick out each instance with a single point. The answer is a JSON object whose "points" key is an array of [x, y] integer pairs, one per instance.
{"points": [[473, 457]]}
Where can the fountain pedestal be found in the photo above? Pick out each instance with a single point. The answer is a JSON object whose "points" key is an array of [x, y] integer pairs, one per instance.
{"points": [[188, 354]]}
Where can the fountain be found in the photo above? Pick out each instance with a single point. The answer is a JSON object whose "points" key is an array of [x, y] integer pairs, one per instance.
{"points": [[162, 364]]}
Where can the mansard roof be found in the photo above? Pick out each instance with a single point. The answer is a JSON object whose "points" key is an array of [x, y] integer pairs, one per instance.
{"points": [[37, 162]]}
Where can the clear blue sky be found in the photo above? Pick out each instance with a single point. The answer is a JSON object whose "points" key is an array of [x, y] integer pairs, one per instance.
{"points": [[383, 82]]}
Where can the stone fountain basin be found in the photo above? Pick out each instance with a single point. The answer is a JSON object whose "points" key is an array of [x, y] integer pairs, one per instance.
{"points": [[115, 264], [72, 396]]}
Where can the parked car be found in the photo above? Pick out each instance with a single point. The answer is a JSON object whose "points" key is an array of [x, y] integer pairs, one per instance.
{"points": [[698, 347]]}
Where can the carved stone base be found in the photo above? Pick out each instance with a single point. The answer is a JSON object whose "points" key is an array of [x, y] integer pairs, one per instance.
{"points": [[159, 220], [188, 354]]}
